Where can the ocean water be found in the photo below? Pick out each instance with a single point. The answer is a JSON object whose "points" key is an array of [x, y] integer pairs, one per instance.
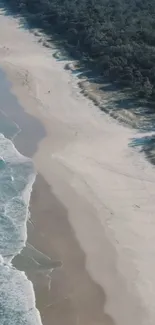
{"points": [[17, 300], [17, 175]]}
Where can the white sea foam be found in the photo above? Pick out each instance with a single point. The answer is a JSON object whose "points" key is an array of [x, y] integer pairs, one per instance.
{"points": [[8, 151], [17, 299]]}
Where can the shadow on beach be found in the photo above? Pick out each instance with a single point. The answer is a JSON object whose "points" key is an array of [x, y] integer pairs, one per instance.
{"points": [[109, 97]]}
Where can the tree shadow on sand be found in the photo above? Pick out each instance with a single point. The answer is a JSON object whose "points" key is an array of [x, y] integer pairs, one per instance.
{"points": [[109, 97]]}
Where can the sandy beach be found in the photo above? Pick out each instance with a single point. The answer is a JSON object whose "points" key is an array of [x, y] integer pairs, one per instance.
{"points": [[92, 206]]}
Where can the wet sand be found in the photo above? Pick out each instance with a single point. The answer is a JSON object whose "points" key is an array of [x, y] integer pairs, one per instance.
{"points": [[69, 296], [65, 292]]}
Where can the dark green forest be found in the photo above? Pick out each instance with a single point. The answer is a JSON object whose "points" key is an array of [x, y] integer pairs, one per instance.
{"points": [[116, 36]]}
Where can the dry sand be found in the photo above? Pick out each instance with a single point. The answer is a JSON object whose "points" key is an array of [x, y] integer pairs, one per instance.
{"points": [[105, 234]]}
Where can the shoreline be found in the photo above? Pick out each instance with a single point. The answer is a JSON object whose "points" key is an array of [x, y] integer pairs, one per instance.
{"points": [[23, 261], [86, 161], [41, 277]]}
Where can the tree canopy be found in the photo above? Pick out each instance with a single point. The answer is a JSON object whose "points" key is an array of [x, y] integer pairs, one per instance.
{"points": [[118, 36]]}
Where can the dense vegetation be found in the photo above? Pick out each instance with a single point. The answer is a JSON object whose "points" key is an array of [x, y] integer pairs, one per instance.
{"points": [[118, 36]]}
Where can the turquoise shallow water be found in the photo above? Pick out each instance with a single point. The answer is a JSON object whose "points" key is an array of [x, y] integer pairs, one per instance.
{"points": [[17, 175]]}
